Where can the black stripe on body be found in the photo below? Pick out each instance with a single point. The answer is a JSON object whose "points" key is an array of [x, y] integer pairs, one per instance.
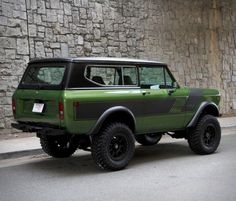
{"points": [[193, 101], [94, 110]]}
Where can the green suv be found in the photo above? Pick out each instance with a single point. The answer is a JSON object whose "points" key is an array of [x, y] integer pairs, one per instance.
{"points": [[105, 104]]}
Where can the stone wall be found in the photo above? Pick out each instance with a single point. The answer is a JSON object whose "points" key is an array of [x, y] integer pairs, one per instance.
{"points": [[197, 38]]}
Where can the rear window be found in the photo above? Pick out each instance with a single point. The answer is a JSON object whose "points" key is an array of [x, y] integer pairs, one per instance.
{"points": [[43, 77]]}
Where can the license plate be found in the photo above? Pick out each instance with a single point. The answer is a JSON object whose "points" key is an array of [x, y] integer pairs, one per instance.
{"points": [[38, 107]]}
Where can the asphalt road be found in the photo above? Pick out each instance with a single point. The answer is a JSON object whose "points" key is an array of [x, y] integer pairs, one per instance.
{"points": [[167, 171]]}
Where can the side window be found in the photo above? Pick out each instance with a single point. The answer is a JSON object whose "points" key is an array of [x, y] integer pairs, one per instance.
{"points": [[155, 78], [112, 76], [102, 75], [152, 77], [130, 76]]}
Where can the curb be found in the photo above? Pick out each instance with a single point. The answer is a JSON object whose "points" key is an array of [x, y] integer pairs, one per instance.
{"points": [[21, 153]]}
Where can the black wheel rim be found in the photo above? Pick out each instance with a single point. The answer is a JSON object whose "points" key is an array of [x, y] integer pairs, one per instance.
{"points": [[118, 147], [62, 144], [209, 135]]}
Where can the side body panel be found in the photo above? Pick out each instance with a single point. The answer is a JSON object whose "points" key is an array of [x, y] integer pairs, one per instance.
{"points": [[154, 110]]}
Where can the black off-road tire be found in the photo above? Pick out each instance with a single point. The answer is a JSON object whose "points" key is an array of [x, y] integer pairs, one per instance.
{"points": [[114, 147], [58, 146], [205, 137], [148, 139]]}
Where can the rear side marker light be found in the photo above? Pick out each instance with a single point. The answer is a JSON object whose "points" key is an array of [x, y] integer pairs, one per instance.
{"points": [[14, 107], [61, 110]]}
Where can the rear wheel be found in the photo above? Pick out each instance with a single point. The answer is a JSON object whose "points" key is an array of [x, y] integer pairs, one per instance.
{"points": [[58, 146], [148, 139], [205, 138], [114, 147]]}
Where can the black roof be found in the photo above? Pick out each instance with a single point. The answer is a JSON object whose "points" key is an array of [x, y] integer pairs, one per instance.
{"points": [[104, 60]]}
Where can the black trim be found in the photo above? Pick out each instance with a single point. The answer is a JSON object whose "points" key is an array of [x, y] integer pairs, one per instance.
{"points": [[51, 130], [195, 118]]}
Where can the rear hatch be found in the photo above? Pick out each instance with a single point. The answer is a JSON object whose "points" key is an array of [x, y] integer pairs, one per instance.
{"points": [[38, 97]]}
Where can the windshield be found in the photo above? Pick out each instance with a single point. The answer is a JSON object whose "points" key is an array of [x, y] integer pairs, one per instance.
{"points": [[43, 77]]}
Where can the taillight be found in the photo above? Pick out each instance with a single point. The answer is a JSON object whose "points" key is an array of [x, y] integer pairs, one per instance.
{"points": [[61, 110], [14, 107]]}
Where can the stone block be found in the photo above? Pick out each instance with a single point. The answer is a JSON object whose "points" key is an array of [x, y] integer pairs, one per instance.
{"points": [[1, 113], [37, 19], [39, 50], [33, 4], [51, 16], [234, 78], [80, 40], [6, 42], [7, 9], [113, 52], [3, 20], [8, 111], [84, 3], [10, 54], [67, 9], [64, 50], [55, 4], [82, 13], [77, 2], [55, 45], [32, 30], [22, 46], [97, 15], [10, 31], [41, 7], [19, 14], [41, 28], [56, 52], [97, 34], [87, 47], [24, 28]]}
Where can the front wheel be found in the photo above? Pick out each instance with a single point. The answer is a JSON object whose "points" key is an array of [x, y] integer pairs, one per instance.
{"points": [[58, 146], [205, 138], [114, 147]]}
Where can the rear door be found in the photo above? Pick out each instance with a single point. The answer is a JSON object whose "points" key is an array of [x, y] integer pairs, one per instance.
{"points": [[39, 93], [163, 100]]}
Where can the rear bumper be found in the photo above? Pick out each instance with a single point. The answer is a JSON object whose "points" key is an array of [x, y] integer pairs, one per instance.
{"points": [[42, 130]]}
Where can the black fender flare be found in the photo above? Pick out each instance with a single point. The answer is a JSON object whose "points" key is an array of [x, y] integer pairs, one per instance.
{"points": [[107, 113], [201, 108]]}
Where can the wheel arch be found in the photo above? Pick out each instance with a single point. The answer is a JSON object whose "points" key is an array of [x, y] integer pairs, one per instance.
{"points": [[205, 108], [118, 113]]}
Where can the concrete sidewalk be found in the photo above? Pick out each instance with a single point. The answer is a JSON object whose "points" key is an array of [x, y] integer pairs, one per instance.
{"points": [[14, 148]]}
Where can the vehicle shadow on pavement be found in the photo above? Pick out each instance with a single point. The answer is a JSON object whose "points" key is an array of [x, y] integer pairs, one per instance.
{"points": [[160, 152], [83, 164]]}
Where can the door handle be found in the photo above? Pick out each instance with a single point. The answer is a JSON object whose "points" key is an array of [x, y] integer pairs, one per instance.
{"points": [[171, 91], [145, 93]]}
